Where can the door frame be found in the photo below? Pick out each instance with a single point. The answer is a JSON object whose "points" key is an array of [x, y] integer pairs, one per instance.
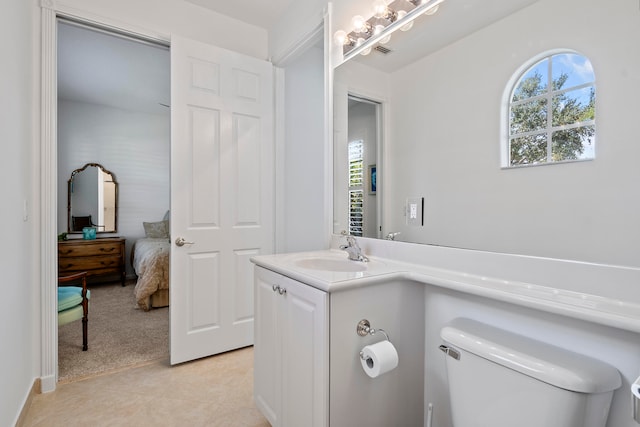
{"points": [[50, 11], [48, 185]]}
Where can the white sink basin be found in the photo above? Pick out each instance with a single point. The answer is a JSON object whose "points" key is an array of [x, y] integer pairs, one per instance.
{"points": [[332, 264]]}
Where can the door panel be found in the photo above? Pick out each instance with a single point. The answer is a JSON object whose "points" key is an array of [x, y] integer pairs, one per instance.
{"points": [[221, 194]]}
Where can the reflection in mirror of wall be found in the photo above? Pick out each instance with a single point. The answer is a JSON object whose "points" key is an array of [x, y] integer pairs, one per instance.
{"points": [[92, 200], [445, 96]]}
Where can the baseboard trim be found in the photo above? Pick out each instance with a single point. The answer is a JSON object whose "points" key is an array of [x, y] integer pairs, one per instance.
{"points": [[35, 389], [48, 383]]}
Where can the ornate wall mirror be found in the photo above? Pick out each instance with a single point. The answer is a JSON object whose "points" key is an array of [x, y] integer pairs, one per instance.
{"points": [[92, 200]]}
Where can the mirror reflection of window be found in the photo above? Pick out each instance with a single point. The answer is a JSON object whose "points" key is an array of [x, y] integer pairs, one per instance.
{"points": [[552, 112], [108, 201], [356, 187]]}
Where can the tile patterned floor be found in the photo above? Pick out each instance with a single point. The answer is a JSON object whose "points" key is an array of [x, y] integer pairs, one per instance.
{"points": [[215, 391]]}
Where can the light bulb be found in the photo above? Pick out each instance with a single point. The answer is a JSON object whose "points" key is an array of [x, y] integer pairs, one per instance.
{"points": [[379, 29], [359, 42], [401, 15], [358, 23], [407, 27], [379, 8], [366, 52], [433, 10], [340, 37]]}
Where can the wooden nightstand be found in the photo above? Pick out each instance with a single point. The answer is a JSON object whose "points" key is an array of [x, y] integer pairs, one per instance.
{"points": [[99, 257]]}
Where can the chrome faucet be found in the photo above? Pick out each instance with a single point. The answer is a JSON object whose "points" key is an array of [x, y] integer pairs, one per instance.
{"points": [[353, 249], [392, 235]]}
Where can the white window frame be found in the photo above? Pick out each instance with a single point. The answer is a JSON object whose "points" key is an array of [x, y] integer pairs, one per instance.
{"points": [[548, 95], [356, 192]]}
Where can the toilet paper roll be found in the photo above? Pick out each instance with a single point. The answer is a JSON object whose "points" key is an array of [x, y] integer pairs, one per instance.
{"points": [[379, 358]]}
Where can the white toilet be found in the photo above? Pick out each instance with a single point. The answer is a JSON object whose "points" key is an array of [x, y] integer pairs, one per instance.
{"points": [[501, 379]]}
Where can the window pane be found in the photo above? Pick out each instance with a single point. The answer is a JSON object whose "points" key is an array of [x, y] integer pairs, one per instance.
{"points": [[355, 174], [562, 131], [527, 150], [574, 106], [533, 82], [528, 116], [570, 69], [573, 144], [356, 166], [356, 200]]}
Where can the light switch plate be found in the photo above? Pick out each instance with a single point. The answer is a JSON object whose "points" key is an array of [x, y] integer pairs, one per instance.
{"points": [[415, 211]]}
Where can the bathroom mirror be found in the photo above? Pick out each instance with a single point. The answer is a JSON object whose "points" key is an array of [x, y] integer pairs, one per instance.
{"points": [[441, 92], [92, 199]]}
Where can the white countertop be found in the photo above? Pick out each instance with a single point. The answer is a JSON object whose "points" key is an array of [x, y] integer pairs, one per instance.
{"points": [[594, 308]]}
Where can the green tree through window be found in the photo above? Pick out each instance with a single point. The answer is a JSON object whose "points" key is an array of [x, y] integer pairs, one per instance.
{"points": [[552, 112]]}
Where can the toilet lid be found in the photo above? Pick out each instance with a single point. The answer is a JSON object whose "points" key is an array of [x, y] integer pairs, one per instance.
{"points": [[553, 365]]}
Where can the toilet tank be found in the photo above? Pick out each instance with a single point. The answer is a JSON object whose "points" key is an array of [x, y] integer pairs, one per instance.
{"points": [[501, 379]]}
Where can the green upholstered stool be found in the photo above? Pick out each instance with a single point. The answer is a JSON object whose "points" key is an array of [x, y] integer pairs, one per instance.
{"points": [[73, 303]]}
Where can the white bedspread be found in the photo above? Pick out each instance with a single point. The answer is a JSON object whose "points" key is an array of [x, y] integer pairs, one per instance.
{"points": [[151, 264]]}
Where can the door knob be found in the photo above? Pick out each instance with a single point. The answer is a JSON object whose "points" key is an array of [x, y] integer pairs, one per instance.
{"points": [[181, 242]]}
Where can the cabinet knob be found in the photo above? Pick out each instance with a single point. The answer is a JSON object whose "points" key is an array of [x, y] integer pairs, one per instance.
{"points": [[278, 289]]}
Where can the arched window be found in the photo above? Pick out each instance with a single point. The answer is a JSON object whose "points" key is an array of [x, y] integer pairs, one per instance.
{"points": [[551, 111]]}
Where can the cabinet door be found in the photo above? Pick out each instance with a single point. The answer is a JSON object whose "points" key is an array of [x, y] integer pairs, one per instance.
{"points": [[305, 372], [267, 387]]}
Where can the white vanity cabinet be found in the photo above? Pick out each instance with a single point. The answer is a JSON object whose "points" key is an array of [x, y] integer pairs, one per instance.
{"points": [[291, 351]]}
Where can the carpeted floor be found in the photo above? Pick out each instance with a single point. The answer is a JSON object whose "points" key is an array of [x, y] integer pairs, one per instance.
{"points": [[120, 335]]}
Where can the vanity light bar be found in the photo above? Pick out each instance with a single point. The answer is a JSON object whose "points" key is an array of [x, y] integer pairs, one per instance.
{"points": [[350, 45]]}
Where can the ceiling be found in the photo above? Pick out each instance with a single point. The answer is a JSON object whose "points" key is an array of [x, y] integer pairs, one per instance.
{"points": [[454, 20], [107, 69], [261, 13]]}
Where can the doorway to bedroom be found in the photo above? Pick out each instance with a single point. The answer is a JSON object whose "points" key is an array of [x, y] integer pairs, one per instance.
{"points": [[113, 110]]}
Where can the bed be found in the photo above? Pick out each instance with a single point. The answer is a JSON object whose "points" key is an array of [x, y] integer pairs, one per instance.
{"points": [[150, 260]]}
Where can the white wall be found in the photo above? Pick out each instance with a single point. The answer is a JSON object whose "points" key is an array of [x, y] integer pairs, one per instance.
{"points": [[445, 142], [134, 146], [304, 212], [297, 22], [19, 307]]}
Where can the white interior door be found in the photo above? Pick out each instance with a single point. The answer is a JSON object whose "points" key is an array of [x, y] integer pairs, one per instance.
{"points": [[222, 192]]}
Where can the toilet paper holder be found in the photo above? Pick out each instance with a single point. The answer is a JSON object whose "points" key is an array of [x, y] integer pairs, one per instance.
{"points": [[364, 328]]}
